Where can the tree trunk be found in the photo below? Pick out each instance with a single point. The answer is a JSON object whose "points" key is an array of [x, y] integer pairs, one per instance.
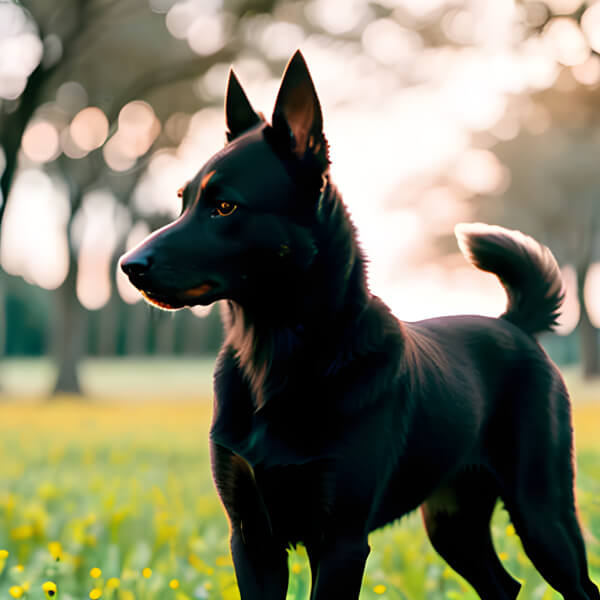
{"points": [[589, 336], [136, 329], [70, 330]]}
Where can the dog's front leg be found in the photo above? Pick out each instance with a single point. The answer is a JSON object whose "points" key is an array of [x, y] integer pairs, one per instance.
{"points": [[337, 567], [261, 566], [259, 559]]}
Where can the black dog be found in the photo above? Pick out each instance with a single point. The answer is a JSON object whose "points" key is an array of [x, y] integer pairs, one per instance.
{"points": [[331, 417]]}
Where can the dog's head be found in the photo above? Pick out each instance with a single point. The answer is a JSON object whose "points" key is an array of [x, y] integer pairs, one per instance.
{"points": [[248, 214]]}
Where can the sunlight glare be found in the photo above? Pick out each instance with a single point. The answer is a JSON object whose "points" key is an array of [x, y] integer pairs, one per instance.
{"points": [[34, 243], [12, 19], [389, 43], [480, 172]]}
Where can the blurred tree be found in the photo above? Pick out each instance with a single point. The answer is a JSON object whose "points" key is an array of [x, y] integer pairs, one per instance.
{"points": [[107, 53], [554, 196]]}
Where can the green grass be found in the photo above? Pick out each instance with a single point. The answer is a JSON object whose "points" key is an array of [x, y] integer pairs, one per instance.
{"points": [[124, 487]]}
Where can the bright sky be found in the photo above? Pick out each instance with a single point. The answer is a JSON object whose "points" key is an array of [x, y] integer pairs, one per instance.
{"points": [[386, 141]]}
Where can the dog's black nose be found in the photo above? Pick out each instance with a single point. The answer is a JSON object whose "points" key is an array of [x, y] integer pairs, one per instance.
{"points": [[136, 267]]}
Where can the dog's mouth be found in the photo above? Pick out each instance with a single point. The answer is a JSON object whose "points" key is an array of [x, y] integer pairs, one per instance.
{"points": [[176, 300]]}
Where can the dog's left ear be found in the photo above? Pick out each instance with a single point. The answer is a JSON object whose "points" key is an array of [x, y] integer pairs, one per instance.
{"points": [[239, 114], [297, 111]]}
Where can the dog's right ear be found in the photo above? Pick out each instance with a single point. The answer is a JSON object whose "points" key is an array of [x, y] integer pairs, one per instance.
{"points": [[239, 114], [297, 118]]}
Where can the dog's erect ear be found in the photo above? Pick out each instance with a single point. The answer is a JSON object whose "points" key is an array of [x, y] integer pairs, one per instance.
{"points": [[239, 114], [298, 111]]}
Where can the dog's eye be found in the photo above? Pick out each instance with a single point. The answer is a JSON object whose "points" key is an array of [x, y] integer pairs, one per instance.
{"points": [[224, 209]]}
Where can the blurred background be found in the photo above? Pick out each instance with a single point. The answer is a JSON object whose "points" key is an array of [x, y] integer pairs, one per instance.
{"points": [[437, 111]]}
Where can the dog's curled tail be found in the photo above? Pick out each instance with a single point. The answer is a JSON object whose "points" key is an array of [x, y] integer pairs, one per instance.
{"points": [[527, 270]]}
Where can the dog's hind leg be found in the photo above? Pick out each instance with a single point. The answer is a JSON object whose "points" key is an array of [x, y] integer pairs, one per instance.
{"points": [[539, 492], [554, 544], [457, 519], [551, 537]]}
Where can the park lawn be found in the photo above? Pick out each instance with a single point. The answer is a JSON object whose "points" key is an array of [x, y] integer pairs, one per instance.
{"points": [[116, 501]]}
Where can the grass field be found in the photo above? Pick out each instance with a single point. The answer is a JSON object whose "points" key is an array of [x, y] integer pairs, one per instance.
{"points": [[114, 500]]}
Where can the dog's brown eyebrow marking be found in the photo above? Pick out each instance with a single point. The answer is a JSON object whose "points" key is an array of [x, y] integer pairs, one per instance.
{"points": [[206, 179], [181, 190]]}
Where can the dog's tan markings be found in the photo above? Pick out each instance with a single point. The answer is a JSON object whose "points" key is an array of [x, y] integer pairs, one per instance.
{"points": [[206, 179], [196, 292]]}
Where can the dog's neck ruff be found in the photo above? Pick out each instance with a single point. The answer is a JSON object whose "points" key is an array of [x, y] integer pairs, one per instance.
{"points": [[270, 343]]}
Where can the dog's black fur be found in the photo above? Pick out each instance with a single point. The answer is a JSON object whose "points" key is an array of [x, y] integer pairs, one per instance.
{"points": [[331, 417]]}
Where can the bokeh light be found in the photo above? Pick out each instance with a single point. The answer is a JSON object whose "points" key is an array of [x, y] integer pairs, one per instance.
{"points": [[96, 243], [34, 243], [20, 53], [570, 310], [40, 142], [89, 128], [567, 41], [591, 293], [590, 24]]}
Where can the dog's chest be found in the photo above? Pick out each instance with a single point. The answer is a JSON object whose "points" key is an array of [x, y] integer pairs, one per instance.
{"points": [[267, 443], [299, 499]]}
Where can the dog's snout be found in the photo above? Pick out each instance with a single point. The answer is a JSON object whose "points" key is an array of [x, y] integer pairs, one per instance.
{"points": [[136, 266]]}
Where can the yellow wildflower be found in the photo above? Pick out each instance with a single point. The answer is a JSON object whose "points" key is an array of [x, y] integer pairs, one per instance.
{"points": [[174, 584], [379, 589], [95, 593], [113, 582], [26, 585], [510, 530], [147, 572], [55, 550], [95, 572], [22, 532], [49, 588], [223, 561], [19, 568], [503, 555], [3, 554], [16, 591], [296, 568]]}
